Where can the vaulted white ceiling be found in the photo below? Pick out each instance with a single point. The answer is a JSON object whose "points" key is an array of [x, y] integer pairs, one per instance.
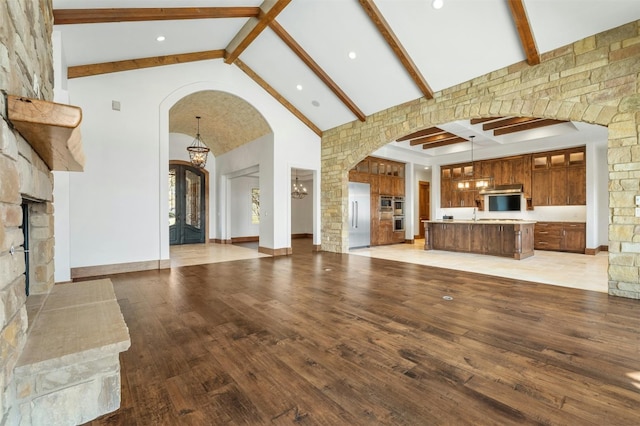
{"points": [[462, 40]]}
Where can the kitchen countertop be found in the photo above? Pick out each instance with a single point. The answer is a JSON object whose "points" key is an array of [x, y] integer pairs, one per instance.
{"points": [[485, 221]]}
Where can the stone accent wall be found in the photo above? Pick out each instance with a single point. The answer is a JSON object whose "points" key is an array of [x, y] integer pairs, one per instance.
{"points": [[26, 69], [594, 80]]}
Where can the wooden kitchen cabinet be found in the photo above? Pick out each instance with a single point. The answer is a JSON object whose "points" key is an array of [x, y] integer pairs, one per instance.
{"points": [[450, 195], [576, 186], [477, 238], [559, 178], [560, 236], [500, 240], [574, 237]]}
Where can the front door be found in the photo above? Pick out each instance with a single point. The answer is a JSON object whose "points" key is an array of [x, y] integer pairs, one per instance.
{"points": [[186, 205]]}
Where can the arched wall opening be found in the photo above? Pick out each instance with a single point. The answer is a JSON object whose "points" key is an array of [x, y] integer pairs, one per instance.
{"points": [[573, 83], [218, 196]]}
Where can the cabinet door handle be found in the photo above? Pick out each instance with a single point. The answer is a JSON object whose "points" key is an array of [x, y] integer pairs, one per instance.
{"points": [[543, 232]]}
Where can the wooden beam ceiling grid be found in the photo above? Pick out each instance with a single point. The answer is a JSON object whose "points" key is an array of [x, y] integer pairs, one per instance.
{"points": [[420, 133], [527, 126], [484, 120], [444, 143], [506, 122], [433, 138]]}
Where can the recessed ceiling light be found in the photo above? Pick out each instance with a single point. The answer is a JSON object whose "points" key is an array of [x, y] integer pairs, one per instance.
{"points": [[160, 38], [426, 167], [352, 55], [299, 87], [315, 103], [437, 4]]}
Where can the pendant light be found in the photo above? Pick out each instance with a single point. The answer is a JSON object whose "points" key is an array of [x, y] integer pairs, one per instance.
{"points": [[198, 151], [298, 191], [472, 181]]}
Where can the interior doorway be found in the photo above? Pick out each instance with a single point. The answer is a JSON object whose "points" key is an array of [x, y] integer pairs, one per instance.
{"points": [[424, 210], [187, 204]]}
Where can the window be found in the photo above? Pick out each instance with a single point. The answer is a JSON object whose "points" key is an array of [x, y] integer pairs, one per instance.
{"points": [[255, 206]]}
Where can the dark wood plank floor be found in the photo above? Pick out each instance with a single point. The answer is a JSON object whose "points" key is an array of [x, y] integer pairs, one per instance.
{"points": [[329, 339]]}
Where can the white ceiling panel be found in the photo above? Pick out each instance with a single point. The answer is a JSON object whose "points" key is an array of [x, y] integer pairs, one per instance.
{"points": [[329, 30], [558, 23], [462, 40], [96, 43], [275, 63]]}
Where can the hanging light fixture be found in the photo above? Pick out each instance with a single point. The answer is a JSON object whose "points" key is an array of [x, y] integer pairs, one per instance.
{"points": [[298, 191], [198, 151], [472, 181]]}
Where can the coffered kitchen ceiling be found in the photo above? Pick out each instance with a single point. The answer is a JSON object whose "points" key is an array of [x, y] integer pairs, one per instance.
{"points": [[331, 62]]}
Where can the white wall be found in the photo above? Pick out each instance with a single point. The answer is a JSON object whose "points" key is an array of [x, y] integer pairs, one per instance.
{"points": [[302, 210], [118, 206]]}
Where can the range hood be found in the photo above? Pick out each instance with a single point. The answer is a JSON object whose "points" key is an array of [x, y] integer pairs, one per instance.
{"points": [[514, 188]]}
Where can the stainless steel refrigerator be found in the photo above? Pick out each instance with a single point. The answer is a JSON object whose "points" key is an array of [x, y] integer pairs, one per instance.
{"points": [[359, 215]]}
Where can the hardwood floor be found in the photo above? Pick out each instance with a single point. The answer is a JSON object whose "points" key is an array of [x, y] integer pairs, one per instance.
{"points": [[330, 339]]}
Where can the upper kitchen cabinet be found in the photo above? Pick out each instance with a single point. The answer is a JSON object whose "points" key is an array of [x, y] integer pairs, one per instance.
{"points": [[450, 193], [559, 177]]}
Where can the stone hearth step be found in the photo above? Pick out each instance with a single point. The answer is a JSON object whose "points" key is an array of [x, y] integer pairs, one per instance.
{"points": [[69, 371]]}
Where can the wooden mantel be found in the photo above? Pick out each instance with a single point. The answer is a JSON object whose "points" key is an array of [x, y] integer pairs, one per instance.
{"points": [[52, 129]]}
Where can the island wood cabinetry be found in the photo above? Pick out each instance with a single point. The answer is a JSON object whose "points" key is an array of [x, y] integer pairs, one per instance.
{"points": [[560, 236], [497, 238], [386, 178]]}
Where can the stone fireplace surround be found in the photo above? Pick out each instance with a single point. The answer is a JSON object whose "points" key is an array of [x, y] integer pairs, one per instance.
{"points": [[59, 348]]}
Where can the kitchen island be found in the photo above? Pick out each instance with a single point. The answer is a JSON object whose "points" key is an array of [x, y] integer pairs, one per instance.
{"points": [[507, 238]]}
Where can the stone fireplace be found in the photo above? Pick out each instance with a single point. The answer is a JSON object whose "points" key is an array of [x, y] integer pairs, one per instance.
{"points": [[59, 346]]}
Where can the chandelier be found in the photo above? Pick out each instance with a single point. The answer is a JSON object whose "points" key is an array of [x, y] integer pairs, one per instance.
{"points": [[298, 191], [472, 181], [198, 151]]}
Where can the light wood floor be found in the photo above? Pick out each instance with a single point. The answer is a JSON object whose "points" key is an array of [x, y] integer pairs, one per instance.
{"points": [[331, 339]]}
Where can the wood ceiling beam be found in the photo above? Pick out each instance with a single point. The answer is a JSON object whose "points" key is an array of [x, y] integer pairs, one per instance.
{"points": [[527, 40], [94, 16], [385, 29], [444, 143], [420, 133], [483, 120], [134, 64], [255, 77], [269, 10], [433, 138], [304, 56], [526, 126], [507, 122]]}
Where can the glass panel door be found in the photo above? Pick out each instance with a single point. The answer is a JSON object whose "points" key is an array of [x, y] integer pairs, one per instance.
{"points": [[186, 205]]}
